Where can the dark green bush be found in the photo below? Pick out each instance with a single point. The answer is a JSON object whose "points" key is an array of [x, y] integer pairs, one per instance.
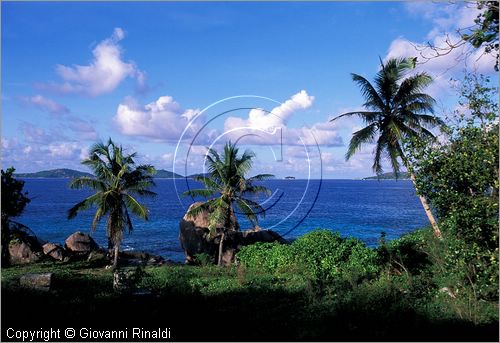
{"points": [[203, 259], [320, 254], [407, 254], [269, 257]]}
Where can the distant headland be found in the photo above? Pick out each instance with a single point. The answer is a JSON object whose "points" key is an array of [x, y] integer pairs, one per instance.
{"points": [[389, 176], [65, 173]]}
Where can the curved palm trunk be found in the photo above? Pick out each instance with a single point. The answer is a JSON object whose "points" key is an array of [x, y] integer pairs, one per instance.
{"points": [[115, 257], [423, 200], [425, 204], [221, 249], [427, 209], [227, 227]]}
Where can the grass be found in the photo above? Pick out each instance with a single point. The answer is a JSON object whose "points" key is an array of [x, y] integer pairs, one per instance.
{"points": [[211, 303]]}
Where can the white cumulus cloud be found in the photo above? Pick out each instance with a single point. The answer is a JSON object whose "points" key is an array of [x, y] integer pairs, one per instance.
{"points": [[104, 73], [163, 119], [277, 117], [270, 128]]}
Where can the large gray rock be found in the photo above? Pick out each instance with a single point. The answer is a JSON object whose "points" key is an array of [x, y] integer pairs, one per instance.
{"points": [[80, 243], [140, 258], [259, 235], [202, 221], [195, 238], [55, 251], [98, 257], [41, 282], [194, 234], [24, 248]]}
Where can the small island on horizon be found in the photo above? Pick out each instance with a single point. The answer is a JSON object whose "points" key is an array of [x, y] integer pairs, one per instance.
{"points": [[389, 176], [65, 173]]}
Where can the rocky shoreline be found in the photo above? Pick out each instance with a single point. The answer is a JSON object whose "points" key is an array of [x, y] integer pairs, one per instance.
{"points": [[25, 247]]}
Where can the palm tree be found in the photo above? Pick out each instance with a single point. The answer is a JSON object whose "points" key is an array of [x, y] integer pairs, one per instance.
{"points": [[226, 182], [117, 181], [397, 109]]}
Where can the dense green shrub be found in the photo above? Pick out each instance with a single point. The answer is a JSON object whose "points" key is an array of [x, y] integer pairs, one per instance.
{"points": [[271, 257], [460, 175], [407, 254], [460, 178], [320, 254]]}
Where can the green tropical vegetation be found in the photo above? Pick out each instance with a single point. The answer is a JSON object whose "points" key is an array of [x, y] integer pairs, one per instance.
{"points": [[397, 109], [321, 286], [352, 293], [485, 31], [228, 185], [460, 178], [118, 180], [14, 200]]}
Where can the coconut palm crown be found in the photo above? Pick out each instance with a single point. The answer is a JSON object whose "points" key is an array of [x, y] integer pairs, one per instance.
{"points": [[226, 184], [396, 109], [117, 183]]}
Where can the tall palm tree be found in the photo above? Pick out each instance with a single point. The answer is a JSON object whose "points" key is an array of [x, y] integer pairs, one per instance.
{"points": [[397, 109], [117, 181], [227, 184]]}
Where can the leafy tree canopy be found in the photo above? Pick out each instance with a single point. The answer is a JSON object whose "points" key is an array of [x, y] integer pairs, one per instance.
{"points": [[14, 199]]}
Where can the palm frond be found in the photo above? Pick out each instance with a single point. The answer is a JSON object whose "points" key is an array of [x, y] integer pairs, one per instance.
{"points": [[256, 207], [245, 162], [129, 221], [207, 181], [199, 193], [368, 91], [141, 192], [85, 204], [367, 116], [87, 182], [418, 107], [413, 85], [135, 207], [394, 154], [360, 137], [414, 130], [254, 189], [215, 167], [261, 177], [387, 79], [395, 134], [379, 152], [196, 210], [422, 97], [97, 217], [430, 121], [247, 211]]}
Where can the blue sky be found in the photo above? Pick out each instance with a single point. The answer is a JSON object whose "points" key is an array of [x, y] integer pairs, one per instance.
{"points": [[143, 73]]}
